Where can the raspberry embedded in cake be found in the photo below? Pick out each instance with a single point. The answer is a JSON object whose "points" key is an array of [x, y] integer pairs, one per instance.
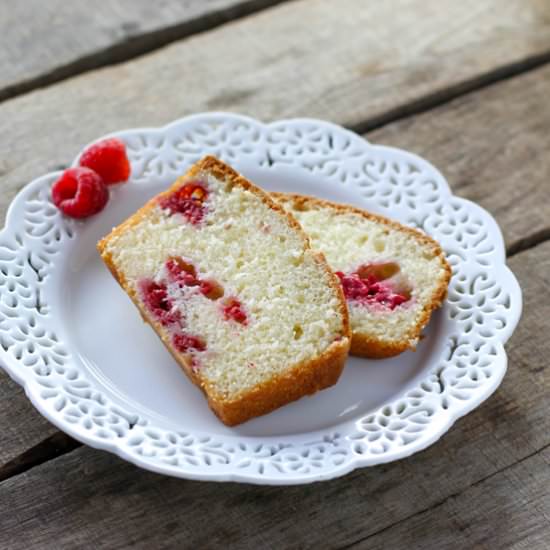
{"points": [[189, 201], [189, 347], [376, 284], [186, 342], [166, 298], [182, 272], [155, 297], [211, 289], [176, 290], [233, 310]]}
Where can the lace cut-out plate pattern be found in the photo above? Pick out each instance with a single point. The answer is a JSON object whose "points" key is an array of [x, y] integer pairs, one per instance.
{"points": [[481, 312]]}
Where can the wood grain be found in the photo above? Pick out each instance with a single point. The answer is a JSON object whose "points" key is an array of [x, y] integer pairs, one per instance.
{"points": [[262, 65], [44, 42], [486, 481], [490, 143], [492, 146], [21, 426], [508, 510], [55, 445]]}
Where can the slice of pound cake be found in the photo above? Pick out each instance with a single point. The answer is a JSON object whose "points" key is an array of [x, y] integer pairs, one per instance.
{"points": [[230, 284], [393, 276]]}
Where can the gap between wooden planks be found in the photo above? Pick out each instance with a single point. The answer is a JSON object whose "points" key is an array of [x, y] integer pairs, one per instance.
{"points": [[486, 484], [492, 146], [46, 42], [60, 106], [248, 67]]}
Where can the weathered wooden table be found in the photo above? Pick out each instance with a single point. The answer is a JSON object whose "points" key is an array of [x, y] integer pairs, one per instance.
{"points": [[465, 84]]}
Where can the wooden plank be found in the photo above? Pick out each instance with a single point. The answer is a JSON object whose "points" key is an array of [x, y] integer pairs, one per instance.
{"points": [[493, 147], [44, 42], [22, 426], [111, 504], [59, 40], [384, 62], [508, 510], [157, 88], [56, 444]]}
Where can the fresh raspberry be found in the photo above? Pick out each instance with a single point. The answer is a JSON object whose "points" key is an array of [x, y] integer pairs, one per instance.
{"points": [[79, 193], [108, 158]]}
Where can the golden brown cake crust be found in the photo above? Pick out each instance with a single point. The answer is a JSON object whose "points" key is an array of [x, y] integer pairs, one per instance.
{"points": [[302, 379], [362, 344]]}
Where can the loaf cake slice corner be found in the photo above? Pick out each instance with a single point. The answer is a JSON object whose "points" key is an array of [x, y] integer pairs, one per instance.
{"points": [[228, 281], [393, 276]]}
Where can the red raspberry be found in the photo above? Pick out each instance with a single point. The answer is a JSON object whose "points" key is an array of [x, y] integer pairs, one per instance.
{"points": [[108, 158], [186, 342], [188, 201], [182, 272], [155, 296], [234, 310], [211, 289], [369, 290], [79, 193]]}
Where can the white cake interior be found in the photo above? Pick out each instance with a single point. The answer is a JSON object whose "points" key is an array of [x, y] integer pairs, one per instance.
{"points": [[292, 311]]}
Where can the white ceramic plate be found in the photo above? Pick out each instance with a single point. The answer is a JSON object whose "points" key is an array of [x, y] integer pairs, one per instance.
{"points": [[73, 339]]}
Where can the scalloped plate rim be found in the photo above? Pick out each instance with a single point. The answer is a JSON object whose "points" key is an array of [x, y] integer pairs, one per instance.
{"points": [[27, 383]]}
